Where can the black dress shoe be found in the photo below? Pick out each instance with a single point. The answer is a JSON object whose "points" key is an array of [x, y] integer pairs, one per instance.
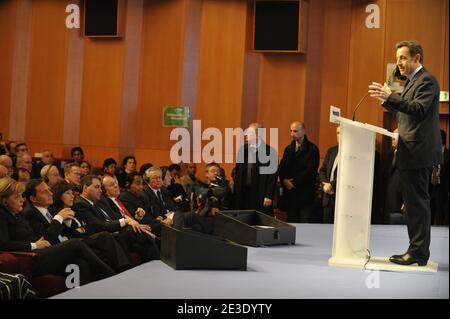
{"points": [[407, 259]]}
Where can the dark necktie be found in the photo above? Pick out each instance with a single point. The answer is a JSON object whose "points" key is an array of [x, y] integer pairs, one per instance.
{"points": [[160, 198]]}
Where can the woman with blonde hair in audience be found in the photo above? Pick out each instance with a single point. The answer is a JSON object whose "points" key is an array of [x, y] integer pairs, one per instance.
{"points": [[16, 234]]}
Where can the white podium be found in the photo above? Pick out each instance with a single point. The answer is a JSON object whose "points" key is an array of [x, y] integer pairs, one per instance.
{"points": [[351, 237]]}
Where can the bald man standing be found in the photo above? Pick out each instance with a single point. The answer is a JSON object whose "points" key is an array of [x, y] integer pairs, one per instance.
{"points": [[298, 172]]}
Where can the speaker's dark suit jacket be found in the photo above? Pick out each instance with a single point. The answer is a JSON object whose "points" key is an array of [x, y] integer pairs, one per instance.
{"points": [[417, 113], [262, 184], [419, 148]]}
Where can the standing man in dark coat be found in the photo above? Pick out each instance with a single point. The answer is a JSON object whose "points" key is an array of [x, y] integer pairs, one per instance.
{"points": [[298, 171], [328, 181], [419, 145], [255, 173]]}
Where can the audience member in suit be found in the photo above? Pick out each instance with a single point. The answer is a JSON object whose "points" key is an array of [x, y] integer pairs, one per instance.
{"points": [[25, 161], [328, 179], [416, 110], [254, 184], [162, 205], [46, 159], [7, 161], [59, 224], [189, 178], [171, 181], [137, 202], [132, 235], [439, 188], [129, 165], [16, 234], [393, 197], [21, 148], [72, 175], [50, 175], [298, 171]]}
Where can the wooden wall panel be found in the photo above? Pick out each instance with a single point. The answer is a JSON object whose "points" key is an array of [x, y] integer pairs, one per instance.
{"points": [[421, 20], [47, 71], [366, 64], [101, 97], [8, 12], [161, 70], [282, 93], [221, 66], [335, 62]]}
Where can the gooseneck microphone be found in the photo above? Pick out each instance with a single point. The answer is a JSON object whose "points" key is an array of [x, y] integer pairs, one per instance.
{"points": [[357, 106]]}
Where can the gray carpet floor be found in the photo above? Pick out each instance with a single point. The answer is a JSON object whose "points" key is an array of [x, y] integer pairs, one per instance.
{"points": [[298, 271]]}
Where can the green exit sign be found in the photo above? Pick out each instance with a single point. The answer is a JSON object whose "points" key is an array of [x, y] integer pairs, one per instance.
{"points": [[443, 97], [177, 116]]}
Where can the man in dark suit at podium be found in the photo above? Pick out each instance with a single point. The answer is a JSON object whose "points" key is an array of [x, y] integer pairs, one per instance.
{"points": [[419, 147]]}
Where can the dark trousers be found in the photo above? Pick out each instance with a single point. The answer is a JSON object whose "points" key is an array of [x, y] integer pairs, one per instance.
{"points": [[55, 259], [251, 200], [109, 250], [415, 184], [328, 211], [139, 243]]}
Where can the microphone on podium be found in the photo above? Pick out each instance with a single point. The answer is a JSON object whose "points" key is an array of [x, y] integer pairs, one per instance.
{"points": [[357, 106]]}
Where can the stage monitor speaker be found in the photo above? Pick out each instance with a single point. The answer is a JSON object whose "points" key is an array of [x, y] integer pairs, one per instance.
{"points": [[103, 18], [253, 228], [280, 26], [188, 249]]}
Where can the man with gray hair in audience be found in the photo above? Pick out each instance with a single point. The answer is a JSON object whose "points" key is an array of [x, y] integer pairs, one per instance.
{"points": [[7, 162]]}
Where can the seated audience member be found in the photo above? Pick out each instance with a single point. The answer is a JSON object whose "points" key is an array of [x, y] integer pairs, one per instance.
{"points": [[77, 155], [189, 179], [22, 175], [144, 167], [72, 175], [161, 201], [24, 160], [138, 203], [131, 234], [85, 168], [171, 181], [16, 234], [11, 146], [109, 167], [129, 165], [216, 186], [21, 148], [56, 222], [46, 159], [7, 162], [50, 175]]}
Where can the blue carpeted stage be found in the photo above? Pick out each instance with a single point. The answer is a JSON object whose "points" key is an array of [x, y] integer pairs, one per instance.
{"points": [[286, 272]]}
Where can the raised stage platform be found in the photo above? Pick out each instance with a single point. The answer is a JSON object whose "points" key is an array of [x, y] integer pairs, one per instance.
{"points": [[288, 272]]}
